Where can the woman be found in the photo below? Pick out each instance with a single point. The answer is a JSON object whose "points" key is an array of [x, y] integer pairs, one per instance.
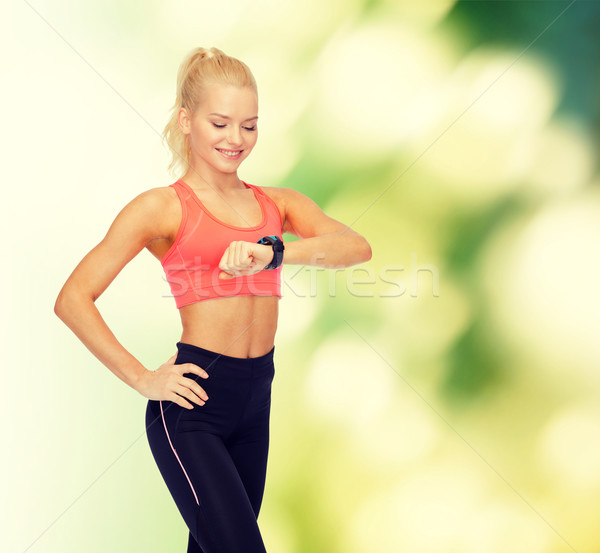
{"points": [[219, 241]]}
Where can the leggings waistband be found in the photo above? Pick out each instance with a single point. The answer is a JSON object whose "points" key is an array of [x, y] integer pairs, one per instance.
{"points": [[240, 362]]}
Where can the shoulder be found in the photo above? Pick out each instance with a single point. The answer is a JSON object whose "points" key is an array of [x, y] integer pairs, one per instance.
{"points": [[300, 215], [285, 197], [153, 210], [156, 197], [154, 201]]}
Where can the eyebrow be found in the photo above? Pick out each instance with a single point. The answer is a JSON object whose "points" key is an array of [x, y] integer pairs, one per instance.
{"points": [[225, 116]]}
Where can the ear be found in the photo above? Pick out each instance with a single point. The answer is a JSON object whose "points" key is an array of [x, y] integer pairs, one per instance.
{"points": [[184, 120]]}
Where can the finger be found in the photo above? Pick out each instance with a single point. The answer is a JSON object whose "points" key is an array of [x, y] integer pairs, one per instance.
{"points": [[226, 263], [175, 398], [229, 254], [236, 255], [225, 268], [223, 264], [198, 390], [188, 389], [223, 274], [170, 361], [193, 368], [249, 252], [246, 263], [246, 258], [240, 255], [232, 272], [248, 271]]}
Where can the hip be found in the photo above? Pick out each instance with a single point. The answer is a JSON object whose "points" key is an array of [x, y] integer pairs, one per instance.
{"points": [[239, 389]]}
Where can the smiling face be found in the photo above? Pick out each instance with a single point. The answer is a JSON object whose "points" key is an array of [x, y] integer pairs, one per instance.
{"points": [[223, 130]]}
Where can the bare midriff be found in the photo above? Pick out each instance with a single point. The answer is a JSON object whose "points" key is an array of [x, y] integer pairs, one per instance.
{"points": [[238, 326]]}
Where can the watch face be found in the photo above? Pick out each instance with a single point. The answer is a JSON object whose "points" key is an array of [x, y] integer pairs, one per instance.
{"points": [[271, 240]]}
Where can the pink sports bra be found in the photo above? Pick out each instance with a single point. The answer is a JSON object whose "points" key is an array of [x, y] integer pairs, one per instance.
{"points": [[191, 264]]}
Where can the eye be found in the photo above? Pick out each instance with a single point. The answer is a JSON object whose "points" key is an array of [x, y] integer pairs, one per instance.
{"points": [[218, 126], [250, 128]]}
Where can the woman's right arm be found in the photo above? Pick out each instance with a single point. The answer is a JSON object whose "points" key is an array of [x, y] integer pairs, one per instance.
{"points": [[140, 221]]}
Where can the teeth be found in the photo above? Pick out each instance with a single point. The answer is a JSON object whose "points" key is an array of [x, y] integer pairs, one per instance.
{"points": [[230, 154]]}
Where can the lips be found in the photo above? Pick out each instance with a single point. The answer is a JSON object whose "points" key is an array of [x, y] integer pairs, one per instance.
{"points": [[231, 154]]}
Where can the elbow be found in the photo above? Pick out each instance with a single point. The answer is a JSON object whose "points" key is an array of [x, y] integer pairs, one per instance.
{"points": [[368, 252], [66, 303], [59, 305], [365, 251], [359, 251]]}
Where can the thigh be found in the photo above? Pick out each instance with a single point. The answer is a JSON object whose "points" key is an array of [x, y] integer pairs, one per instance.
{"points": [[248, 445], [204, 483], [250, 460], [249, 452], [159, 431], [224, 519]]}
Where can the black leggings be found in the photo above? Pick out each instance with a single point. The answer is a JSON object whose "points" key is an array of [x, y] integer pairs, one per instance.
{"points": [[213, 458]]}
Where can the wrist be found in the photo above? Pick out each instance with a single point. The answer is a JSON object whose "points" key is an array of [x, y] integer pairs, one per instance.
{"points": [[138, 381], [278, 247]]}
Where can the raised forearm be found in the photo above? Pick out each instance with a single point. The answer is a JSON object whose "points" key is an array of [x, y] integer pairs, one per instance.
{"points": [[81, 315], [334, 250]]}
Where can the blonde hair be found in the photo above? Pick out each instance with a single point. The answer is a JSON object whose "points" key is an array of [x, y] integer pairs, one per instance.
{"points": [[200, 67]]}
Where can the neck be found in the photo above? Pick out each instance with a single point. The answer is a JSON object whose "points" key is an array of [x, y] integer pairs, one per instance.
{"points": [[203, 178]]}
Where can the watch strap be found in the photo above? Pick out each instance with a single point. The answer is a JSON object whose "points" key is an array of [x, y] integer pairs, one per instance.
{"points": [[278, 248]]}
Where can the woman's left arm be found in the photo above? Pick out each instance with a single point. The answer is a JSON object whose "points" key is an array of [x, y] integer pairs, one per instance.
{"points": [[324, 241]]}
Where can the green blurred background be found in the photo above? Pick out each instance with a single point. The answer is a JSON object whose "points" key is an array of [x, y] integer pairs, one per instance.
{"points": [[442, 397]]}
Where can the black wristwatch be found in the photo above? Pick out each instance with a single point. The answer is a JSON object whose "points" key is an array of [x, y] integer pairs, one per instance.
{"points": [[278, 248]]}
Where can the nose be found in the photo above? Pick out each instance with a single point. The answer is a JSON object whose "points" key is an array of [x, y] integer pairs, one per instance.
{"points": [[235, 136]]}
